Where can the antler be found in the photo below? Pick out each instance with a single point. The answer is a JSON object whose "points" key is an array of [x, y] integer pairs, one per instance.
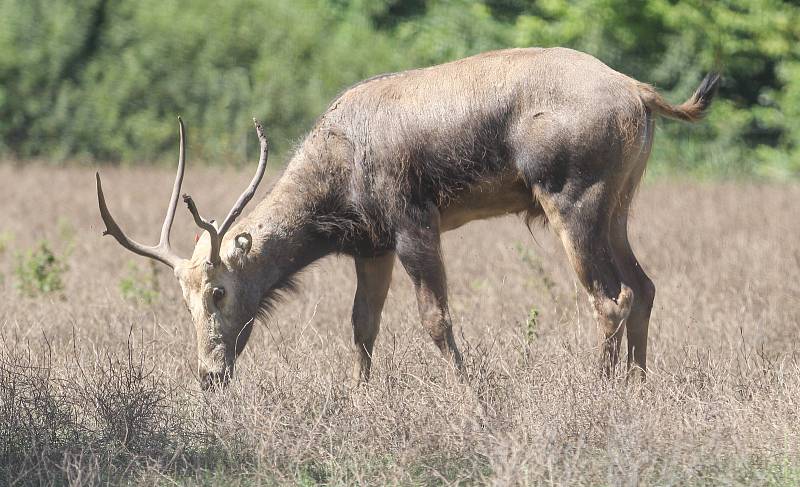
{"points": [[215, 234], [208, 226], [161, 252], [251, 190]]}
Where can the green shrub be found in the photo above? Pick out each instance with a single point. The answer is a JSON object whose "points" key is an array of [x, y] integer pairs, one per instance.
{"points": [[40, 271]]}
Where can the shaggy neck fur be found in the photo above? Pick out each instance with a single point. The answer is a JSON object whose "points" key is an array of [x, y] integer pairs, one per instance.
{"points": [[285, 230]]}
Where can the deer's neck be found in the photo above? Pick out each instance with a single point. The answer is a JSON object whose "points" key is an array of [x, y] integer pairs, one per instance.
{"points": [[284, 227]]}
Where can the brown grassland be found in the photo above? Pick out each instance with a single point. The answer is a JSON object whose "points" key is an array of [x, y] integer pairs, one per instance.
{"points": [[97, 385]]}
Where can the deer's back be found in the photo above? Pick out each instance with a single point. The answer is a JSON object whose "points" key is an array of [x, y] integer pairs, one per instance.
{"points": [[392, 109], [438, 133]]}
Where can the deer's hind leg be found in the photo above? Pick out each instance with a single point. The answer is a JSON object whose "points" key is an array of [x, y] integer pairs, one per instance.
{"points": [[374, 276], [638, 321], [582, 221], [419, 250], [585, 191]]}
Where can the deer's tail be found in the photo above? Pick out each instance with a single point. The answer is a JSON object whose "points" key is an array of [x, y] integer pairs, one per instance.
{"points": [[691, 110]]}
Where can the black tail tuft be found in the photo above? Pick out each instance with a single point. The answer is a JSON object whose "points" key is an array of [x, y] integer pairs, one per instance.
{"points": [[692, 109], [706, 91]]}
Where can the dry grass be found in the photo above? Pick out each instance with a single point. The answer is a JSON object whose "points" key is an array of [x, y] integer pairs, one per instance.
{"points": [[96, 389]]}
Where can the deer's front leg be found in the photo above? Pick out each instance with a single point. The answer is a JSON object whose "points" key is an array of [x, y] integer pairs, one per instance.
{"points": [[374, 277], [419, 250]]}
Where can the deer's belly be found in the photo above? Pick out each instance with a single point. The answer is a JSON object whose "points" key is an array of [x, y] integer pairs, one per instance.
{"points": [[485, 201]]}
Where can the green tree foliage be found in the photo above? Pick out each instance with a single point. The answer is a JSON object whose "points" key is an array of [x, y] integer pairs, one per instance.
{"points": [[104, 80]]}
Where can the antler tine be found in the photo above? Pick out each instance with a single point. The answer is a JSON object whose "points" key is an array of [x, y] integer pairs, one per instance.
{"points": [[176, 188], [206, 225], [251, 190], [160, 252], [216, 233]]}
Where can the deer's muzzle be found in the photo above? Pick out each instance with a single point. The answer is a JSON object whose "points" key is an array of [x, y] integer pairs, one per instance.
{"points": [[215, 379], [216, 369]]}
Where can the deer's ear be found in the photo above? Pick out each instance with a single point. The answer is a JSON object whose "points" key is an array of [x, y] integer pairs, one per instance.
{"points": [[243, 242]]}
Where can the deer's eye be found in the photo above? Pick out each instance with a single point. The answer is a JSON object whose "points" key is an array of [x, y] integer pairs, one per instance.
{"points": [[217, 293]]}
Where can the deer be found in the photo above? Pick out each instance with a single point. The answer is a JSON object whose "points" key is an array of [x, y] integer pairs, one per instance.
{"points": [[551, 134]]}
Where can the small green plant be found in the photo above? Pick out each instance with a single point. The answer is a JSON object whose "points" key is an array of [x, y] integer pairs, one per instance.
{"points": [[139, 285], [40, 271], [532, 326], [478, 284], [5, 239], [66, 234], [535, 265]]}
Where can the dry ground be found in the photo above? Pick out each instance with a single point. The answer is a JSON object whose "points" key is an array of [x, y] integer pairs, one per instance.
{"points": [[96, 388]]}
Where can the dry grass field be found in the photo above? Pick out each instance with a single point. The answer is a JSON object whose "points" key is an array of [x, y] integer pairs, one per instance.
{"points": [[97, 380]]}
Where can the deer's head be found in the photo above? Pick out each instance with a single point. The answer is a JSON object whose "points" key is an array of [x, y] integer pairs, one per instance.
{"points": [[214, 280]]}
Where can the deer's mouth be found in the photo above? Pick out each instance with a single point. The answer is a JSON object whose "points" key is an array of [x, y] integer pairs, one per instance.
{"points": [[217, 379], [215, 368]]}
